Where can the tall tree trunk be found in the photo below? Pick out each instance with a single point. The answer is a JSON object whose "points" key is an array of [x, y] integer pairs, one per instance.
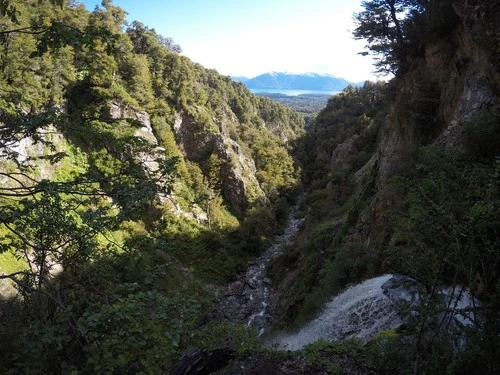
{"points": [[399, 33]]}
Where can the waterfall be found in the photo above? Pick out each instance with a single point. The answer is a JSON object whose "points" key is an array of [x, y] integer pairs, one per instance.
{"points": [[359, 311], [372, 306]]}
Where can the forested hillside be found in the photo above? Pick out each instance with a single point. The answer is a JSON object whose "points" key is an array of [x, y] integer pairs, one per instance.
{"points": [[132, 182], [307, 105], [136, 185], [402, 177]]}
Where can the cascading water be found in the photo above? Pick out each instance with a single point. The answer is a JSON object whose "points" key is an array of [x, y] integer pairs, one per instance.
{"points": [[360, 311], [246, 300], [372, 306]]}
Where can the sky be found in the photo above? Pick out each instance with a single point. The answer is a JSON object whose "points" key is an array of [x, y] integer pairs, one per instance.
{"points": [[252, 37]]}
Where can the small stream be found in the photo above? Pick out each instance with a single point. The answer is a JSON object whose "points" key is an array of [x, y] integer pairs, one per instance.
{"points": [[247, 300], [360, 311]]}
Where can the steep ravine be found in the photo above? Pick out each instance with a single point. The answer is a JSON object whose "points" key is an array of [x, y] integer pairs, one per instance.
{"points": [[360, 311], [248, 299]]}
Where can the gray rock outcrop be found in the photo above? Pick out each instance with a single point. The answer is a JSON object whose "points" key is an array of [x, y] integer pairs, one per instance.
{"points": [[239, 183]]}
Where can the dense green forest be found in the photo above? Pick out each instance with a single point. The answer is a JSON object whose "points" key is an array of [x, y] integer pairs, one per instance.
{"points": [[402, 177], [307, 105], [135, 184], [132, 179]]}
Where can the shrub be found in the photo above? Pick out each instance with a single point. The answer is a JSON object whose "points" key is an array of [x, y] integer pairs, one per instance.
{"points": [[481, 134]]}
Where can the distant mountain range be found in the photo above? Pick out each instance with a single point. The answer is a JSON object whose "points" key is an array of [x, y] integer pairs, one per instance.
{"points": [[289, 81]]}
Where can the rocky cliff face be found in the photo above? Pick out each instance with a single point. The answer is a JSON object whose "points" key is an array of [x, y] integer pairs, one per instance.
{"points": [[199, 137], [31, 152], [462, 73], [365, 167], [239, 184]]}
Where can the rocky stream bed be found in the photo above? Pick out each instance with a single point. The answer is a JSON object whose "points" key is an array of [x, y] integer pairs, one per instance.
{"points": [[360, 311], [248, 300]]}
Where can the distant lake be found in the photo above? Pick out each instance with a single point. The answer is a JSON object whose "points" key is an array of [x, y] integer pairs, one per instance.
{"points": [[293, 92]]}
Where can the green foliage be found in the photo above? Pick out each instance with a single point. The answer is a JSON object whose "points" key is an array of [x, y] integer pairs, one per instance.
{"points": [[396, 30], [335, 357], [482, 134], [323, 256], [125, 313], [437, 20], [41, 348], [243, 340], [446, 232], [125, 181], [136, 332], [354, 112], [389, 353], [417, 104], [9, 263], [111, 246], [424, 346], [53, 230], [275, 168], [481, 352], [193, 245], [450, 219], [381, 24], [227, 248], [137, 76]]}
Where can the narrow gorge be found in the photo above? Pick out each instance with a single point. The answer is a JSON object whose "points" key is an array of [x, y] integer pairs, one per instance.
{"points": [[249, 300], [156, 217]]}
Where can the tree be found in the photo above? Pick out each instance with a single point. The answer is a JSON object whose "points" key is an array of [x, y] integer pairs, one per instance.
{"points": [[448, 233], [382, 24], [146, 39], [159, 51], [169, 44], [51, 27], [213, 182], [10, 10], [58, 223]]}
